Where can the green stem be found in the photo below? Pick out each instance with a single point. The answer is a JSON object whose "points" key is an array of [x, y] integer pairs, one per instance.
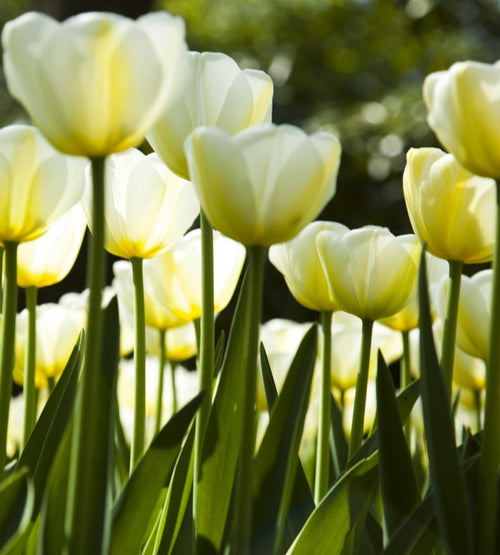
{"points": [[205, 345], [2, 251], [477, 408], [85, 515], [323, 443], [487, 522], [406, 377], [173, 368], [450, 325], [8, 331], [29, 365], [358, 415], [138, 438], [161, 367], [243, 499]]}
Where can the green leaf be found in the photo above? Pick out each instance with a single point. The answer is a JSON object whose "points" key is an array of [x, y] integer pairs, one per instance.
{"points": [[328, 527], [338, 443], [223, 436], [267, 377], [406, 399], [16, 504], [398, 482], [132, 510], [277, 459], [447, 479], [42, 444]]}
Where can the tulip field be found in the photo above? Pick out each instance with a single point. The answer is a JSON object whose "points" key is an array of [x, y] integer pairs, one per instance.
{"points": [[129, 423]]}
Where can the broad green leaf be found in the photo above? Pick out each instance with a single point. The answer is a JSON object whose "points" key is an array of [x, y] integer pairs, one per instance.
{"points": [[16, 505], [132, 510], [328, 527], [177, 498], [453, 513], [406, 399], [42, 444], [400, 493], [223, 435], [277, 459]]}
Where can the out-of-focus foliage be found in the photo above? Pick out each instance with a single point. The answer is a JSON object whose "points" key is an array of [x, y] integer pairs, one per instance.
{"points": [[353, 67]]}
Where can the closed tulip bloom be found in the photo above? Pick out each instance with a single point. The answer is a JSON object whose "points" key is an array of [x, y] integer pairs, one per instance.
{"points": [[180, 342], [299, 262], [157, 315], [463, 106], [147, 206], [264, 184], [174, 277], [58, 328], [370, 272], [48, 259], [450, 209], [218, 94], [97, 82], [38, 184], [474, 313]]}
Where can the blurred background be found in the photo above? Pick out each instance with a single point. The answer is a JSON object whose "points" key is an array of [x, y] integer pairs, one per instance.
{"points": [[352, 67]]}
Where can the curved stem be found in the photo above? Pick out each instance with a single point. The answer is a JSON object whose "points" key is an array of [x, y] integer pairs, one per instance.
{"points": [[161, 367], [138, 438], [205, 344], [243, 500], [487, 522], [323, 443], [88, 476], [8, 335], [29, 365], [358, 415], [450, 325]]}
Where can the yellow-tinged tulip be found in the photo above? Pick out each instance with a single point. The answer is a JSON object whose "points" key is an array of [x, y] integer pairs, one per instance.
{"points": [[474, 313], [147, 206], [174, 277], [370, 272], [218, 94], [157, 315], [97, 82], [58, 328], [299, 262], [464, 111], [450, 209], [264, 184], [48, 259], [370, 409], [180, 342], [38, 184]]}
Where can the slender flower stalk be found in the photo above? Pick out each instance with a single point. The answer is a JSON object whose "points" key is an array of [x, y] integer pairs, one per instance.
{"points": [[490, 456], [173, 368], [161, 365], [8, 334], [358, 416], [85, 471], [138, 438], [406, 375], [29, 365], [323, 445], [243, 500], [450, 325]]}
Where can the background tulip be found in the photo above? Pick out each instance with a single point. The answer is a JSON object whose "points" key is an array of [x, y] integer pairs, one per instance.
{"points": [[450, 209], [97, 82], [464, 111], [264, 184], [219, 94]]}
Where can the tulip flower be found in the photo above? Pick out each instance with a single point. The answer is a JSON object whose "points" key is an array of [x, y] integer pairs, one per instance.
{"points": [[474, 314], [264, 184], [464, 111], [174, 277], [147, 206], [450, 209], [95, 83], [218, 94], [356, 264]]}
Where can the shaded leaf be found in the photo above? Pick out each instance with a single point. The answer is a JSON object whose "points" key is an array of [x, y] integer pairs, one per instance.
{"points": [[16, 505]]}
